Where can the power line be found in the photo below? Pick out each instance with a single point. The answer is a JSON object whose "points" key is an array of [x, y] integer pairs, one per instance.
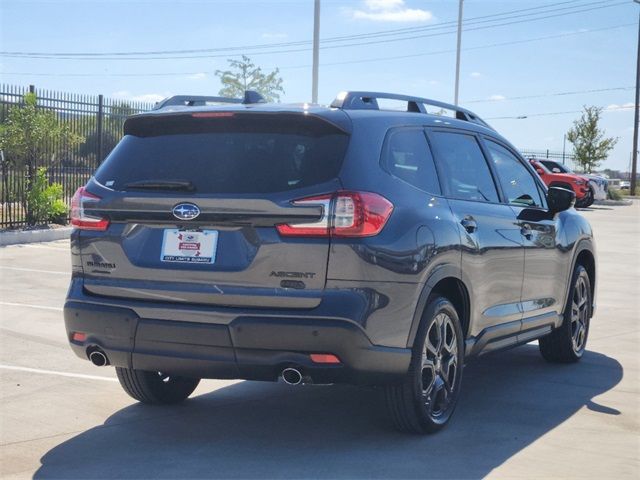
{"points": [[304, 42], [553, 94], [547, 114], [345, 62], [295, 50]]}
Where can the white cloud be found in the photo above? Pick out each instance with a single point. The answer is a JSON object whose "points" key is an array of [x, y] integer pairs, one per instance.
{"points": [[274, 35], [497, 98], [389, 11], [475, 75], [615, 107], [145, 97], [197, 76]]}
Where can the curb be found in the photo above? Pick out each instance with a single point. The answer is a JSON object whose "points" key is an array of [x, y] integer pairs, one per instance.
{"points": [[32, 236], [613, 203]]}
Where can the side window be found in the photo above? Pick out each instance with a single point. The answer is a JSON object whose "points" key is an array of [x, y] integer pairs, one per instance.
{"points": [[517, 182], [407, 156], [463, 166]]}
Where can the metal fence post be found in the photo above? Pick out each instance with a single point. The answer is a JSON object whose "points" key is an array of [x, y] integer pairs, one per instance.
{"points": [[99, 127], [32, 89]]}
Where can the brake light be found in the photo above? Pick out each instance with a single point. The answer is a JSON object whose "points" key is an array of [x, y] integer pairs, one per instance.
{"points": [[79, 219], [345, 214]]}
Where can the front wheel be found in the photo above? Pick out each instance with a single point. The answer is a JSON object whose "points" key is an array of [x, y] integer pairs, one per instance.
{"points": [[156, 388], [425, 399], [587, 200], [568, 343]]}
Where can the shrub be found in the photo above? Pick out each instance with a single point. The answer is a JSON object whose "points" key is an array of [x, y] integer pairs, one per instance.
{"points": [[614, 194], [45, 200]]}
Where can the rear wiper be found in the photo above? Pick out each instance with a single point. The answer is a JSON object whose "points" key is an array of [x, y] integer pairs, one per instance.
{"points": [[182, 185]]}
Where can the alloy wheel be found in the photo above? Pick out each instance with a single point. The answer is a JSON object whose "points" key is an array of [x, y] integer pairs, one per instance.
{"points": [[439, 365], [579, 314]]}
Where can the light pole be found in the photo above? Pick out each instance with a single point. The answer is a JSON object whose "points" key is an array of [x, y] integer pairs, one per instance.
{"points": [[634, 164], [316, 51], [455, 97]]}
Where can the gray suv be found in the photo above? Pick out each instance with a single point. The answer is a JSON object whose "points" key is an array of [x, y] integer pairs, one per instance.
{"points": [[228, 238]]}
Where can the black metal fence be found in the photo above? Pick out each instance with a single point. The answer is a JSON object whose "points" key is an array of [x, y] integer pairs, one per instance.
{"points": [[97, 119]]}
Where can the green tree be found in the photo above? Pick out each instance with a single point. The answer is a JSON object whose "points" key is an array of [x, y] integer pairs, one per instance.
{"points": [[244, 75], [29, 135], [590, 145]]}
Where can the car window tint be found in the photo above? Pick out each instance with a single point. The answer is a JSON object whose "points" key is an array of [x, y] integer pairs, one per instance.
{"points": [[407, 156], [517, 182], [464, 168]]}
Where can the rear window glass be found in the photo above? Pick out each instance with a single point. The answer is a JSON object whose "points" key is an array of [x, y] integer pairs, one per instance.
{"points": [[241, 153], [407, 156]]}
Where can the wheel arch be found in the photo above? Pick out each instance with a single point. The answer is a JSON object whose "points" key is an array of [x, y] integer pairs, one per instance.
{"points": [[585, 256], [446, 281]]}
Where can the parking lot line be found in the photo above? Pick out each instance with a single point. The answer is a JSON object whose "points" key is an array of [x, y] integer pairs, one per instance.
{"points": [[61, 374], [29, 305], [20, 269]]}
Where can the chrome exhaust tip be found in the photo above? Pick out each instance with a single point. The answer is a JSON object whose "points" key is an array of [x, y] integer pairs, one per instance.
{"points": [[291, 376], [98, 358]]}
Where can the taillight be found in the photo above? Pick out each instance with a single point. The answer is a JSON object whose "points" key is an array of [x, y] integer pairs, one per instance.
{"points": [[345, 214], [79, 219]]}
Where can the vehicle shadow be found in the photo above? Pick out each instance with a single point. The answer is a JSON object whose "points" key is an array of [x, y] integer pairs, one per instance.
{"points": [[266, 430]]}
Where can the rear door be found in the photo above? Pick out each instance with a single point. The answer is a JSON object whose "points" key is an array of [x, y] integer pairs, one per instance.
{"points": [[545, 262], [492, 250], [193, 202]]}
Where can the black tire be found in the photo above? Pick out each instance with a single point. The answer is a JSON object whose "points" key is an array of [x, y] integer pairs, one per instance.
{"points": [[587, 200], [155, 388], [568, 343], [415, 409]]}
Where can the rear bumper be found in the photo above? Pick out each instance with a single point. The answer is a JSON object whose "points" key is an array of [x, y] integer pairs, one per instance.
{"points": [[249, 347]]}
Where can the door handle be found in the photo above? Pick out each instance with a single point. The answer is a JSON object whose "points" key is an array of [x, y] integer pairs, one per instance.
{"points": [[469, 224], [526, 232]]}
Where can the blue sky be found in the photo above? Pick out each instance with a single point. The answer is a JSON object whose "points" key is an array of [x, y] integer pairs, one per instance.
{"points": [[543, 58]]}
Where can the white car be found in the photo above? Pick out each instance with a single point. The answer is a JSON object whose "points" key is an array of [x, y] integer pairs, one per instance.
{"points": [[625, 185], [599, 184]]}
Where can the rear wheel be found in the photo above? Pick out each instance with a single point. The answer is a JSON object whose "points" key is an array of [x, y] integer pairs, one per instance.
{"points": [[568, 343], [426, 398], [156, 388]]}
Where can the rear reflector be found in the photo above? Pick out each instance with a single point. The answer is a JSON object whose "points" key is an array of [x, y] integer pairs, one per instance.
{"points": [[345, 214], [79, 336], [79, 219], [324, 358]]}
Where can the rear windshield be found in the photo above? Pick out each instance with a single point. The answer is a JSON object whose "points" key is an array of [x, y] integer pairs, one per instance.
{"points": [[237, 153]]}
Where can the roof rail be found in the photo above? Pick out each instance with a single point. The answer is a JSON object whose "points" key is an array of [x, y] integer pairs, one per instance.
{"points": [[250, 96], [369, 101]]}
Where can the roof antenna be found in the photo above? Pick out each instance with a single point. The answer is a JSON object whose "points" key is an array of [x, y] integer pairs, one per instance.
{"points": [[251, 96]]}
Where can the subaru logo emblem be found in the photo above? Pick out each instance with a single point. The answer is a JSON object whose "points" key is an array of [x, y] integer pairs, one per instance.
{"points": [[186, 211]]}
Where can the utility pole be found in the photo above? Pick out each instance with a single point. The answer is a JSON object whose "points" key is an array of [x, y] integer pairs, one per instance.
{"points": [[455, 98], [316, 51], [634, 165]]}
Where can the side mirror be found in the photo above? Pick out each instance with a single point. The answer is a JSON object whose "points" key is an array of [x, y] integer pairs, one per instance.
{"points": [[560, 199]]}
